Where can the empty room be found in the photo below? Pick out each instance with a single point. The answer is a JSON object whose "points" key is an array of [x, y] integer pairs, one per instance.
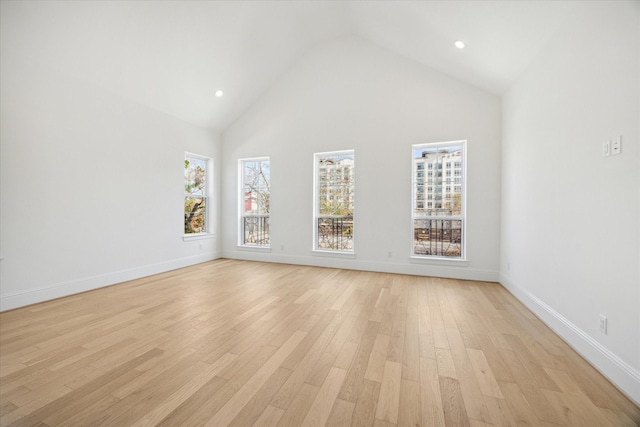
{"points": [[455, 238]]}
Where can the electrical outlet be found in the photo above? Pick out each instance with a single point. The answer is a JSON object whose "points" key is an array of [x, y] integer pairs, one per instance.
{"points": [[603, 324]]}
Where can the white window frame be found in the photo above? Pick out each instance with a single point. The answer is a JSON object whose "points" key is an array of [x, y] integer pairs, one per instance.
{"points": [[241, 201], [316, 204], [208, 197], [462, 217]]}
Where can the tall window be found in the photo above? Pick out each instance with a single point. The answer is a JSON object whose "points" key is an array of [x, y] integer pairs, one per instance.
{"points": [[255, 197], [438, 226], [333, 203], [198, 172]]}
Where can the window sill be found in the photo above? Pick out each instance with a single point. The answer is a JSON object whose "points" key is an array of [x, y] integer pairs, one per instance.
{"points": [[333, 254], [198, 236], [458, 262], [254, 248]]}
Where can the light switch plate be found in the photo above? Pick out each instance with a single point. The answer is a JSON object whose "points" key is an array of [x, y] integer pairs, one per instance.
{"points": [[616, 146]]}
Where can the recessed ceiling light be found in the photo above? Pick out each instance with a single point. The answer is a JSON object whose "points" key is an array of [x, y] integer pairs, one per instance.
{"points": [[459, 44], [219, 93]]}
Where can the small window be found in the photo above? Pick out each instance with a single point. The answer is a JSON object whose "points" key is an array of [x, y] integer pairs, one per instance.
{"points": [[334, 201], [438, 231], [255, 202], [198, 178]]}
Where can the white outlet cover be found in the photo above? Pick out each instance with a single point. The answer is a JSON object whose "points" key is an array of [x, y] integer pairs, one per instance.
{"points": [[603, 324]]}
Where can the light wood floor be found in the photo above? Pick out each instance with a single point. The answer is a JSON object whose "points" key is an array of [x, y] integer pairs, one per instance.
{"points": [[254, 344]]}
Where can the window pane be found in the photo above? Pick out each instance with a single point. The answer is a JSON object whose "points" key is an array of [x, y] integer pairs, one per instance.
{"points": [[194, 215], [256, 186], [196, 193], [335, 182], [446, 162], [195, 176], [255, 230], [335, 233], [437, 237], [336, 178], [437, 207], [255, 193]]}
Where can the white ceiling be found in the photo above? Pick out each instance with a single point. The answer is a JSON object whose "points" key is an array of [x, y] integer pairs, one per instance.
{"points": [[173, 55]]}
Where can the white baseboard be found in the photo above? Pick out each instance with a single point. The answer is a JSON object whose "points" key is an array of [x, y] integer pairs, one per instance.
{"points": [[619, 372], [415, 269], [57, 290]]}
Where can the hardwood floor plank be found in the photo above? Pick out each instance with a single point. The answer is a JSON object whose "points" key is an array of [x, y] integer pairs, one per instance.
{"points": [[484, 375], [411, 349], [365, 410], [229, 411], [389, 399], [163, 408], [453, 405], [431, 399], [320, 409], [319, 373], [377, 358], [498, 366], [252, 411], [500, 412], [62, 408], [538, 402], [341, 414], [355, 376], [474, 403], [269, 417], [346, 355], [299, 408], [193, 411], [410, 409]]}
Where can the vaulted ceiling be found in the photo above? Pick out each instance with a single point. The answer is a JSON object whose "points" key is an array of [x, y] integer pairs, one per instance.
{"points": [[173, 55]]}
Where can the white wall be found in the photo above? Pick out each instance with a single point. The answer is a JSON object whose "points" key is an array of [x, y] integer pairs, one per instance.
{"points": [[92, 186], [570, 217], [350, 94]]}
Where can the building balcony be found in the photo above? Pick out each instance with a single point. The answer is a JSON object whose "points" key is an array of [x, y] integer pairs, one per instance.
{"points": [[437, 237], [335, 232], [255, 230]]}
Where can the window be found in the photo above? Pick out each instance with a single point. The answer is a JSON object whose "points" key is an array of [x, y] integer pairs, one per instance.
{"points": [[255, 198], [198, 179], [333, 201], [438, 231]]}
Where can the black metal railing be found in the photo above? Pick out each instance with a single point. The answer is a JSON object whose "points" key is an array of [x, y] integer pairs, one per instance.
{"points": [[255, 230], [437, 237], [335, 233]]}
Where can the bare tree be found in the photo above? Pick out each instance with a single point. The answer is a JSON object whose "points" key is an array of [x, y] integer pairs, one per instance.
{"points": [[195, 198], [257, 185]]}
